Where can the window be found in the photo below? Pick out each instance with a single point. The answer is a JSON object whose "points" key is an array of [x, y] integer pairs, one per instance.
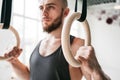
{"points": [[25, 19]]}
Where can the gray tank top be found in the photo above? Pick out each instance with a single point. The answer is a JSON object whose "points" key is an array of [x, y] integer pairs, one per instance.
{"points": [[52, 67]]}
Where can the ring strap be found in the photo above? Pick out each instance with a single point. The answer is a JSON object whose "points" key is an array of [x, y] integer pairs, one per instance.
{"points": [[6, 13], [3, 11], [84, 10]]}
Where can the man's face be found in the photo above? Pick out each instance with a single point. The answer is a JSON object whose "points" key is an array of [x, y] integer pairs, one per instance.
{"points": [[51, 14]]}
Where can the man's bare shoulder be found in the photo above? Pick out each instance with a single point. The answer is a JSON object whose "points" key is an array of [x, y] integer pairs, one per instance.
{"points": [[77, 43]]}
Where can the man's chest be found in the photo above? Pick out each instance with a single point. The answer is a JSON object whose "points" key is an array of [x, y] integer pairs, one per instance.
{"points": [[47, 49]]}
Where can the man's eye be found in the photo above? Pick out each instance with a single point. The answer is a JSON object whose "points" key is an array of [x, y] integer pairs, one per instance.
{"points": [[41, 8], [50, 7]]}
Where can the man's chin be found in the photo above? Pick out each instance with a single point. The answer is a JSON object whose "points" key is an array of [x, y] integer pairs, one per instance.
{"points": [[45, 24]]}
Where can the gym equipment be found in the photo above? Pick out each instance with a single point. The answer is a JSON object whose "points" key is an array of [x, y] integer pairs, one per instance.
{"points": [[5, 24], [66, 34]]}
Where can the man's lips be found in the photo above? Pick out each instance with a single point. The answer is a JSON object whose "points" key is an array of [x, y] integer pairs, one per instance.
{"points": [[45, 19]]}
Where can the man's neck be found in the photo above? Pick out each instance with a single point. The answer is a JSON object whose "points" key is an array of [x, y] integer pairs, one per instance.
{"points": [[56, 34]]}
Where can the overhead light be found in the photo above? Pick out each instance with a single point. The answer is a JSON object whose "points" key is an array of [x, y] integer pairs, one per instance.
{"points": [[117, 5]]}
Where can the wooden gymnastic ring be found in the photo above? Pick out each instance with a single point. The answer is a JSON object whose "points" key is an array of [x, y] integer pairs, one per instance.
{"points": [[66, 39], [17, 39]]}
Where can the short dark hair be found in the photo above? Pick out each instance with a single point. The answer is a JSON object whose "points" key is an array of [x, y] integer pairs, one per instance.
{"points": [[65, 3]]}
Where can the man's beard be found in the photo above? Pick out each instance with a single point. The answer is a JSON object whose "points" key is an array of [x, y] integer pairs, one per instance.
{"points": [[55, 25]]}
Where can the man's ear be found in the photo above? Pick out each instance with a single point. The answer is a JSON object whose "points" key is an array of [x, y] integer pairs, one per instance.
{"points": [[66, 12]]}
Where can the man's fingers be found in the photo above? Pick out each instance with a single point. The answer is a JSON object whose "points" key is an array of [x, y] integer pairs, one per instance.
{"points": [[6, 55], [14, 53], [81, 59]]}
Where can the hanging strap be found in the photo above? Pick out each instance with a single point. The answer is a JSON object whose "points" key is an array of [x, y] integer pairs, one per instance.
{"points": [[3, 11], [84, 10], [6, 13], [76, 5]]}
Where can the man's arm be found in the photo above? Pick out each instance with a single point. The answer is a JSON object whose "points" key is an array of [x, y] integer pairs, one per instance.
{"points": [[20, 69], [100, 75], [90, 66]]}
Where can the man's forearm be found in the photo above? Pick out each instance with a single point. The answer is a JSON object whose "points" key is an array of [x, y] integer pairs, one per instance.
{"points": [[20, 69], [100, 75]]}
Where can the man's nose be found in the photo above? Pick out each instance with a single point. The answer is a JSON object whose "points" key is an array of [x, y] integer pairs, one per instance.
{"points": [[45, 12]]}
